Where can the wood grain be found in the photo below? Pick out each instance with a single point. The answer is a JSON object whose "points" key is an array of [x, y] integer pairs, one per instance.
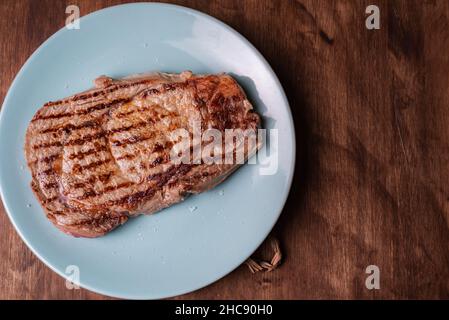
{"points": [[371, 110]]}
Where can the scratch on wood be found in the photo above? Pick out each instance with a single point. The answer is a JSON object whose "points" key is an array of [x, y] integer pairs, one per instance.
{"points": [[401, 139], [326, 38], [323, 35]]}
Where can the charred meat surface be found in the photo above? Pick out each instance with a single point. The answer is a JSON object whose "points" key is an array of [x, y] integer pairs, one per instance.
{"points": [[102, 156]]}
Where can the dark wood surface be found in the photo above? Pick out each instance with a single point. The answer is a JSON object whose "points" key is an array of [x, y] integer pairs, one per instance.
{"points": [[371, 110]]}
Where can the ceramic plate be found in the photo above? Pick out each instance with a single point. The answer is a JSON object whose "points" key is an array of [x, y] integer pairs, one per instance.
{"points": [[193, 243]]}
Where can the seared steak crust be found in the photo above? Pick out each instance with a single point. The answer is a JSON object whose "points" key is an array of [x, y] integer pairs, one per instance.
{"points": [[103, 155]]}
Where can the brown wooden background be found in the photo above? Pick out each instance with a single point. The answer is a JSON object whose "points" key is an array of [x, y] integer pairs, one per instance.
{"points": [[371, 110]]}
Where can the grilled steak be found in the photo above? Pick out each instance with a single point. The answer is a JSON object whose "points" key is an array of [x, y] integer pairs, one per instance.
{"points": [[102, 156]]}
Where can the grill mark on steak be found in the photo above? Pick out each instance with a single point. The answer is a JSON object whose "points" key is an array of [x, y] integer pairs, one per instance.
{"points": [[102, 134], [103, 92], [110, 90], [87, 138], [77, 168], [150, 92], [132, 199], [127, 156], [132, 169], [173, 86], [109, 189], [51, 185], [132, 140], [50, 200], [92, 124], [50, 158], [183, 169], [157, 148], [78, 185], [158, 160], [104, 178], [138, 125], [122, 115], [163, 177], [160, 179], [97, 93], [47, 145], [71, 127], [142, 166], [46, 172], [82, 154], [87, 194], [91, 109], [101, 221]]}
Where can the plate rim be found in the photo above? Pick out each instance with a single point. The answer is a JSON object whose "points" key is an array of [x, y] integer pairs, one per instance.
{"points": [[220, 23]]}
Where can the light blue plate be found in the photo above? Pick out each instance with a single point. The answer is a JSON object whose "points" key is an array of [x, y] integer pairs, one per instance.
{"points": [[180, 249]]}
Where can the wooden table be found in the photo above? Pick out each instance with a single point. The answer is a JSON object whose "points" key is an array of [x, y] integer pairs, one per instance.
{"points": [[371, 110]]}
